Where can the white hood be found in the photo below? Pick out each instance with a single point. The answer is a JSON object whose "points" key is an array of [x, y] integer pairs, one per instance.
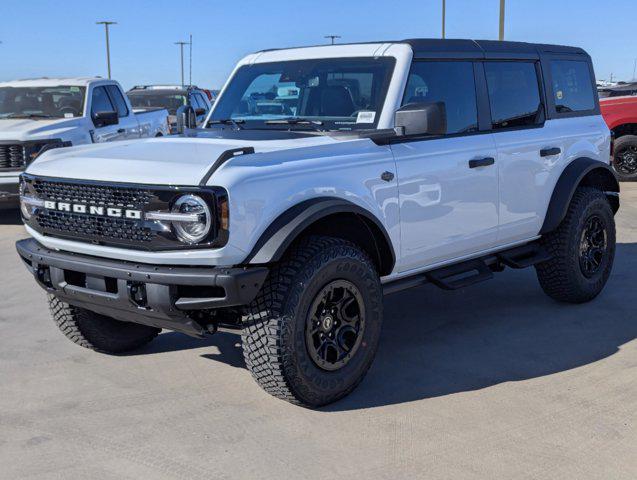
{"points": [[21, 129], [158, 161]]}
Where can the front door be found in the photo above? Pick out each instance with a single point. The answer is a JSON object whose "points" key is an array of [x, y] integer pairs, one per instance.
{"points": [[448, 185], [101, 102]]}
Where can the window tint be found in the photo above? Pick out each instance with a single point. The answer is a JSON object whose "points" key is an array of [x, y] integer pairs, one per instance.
{"points": [[120, 103], [572, 86], [100, 101], [450, 82], [514, 94]]}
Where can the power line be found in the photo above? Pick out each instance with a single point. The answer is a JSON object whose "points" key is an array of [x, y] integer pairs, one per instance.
{"points": [[106, 24]]}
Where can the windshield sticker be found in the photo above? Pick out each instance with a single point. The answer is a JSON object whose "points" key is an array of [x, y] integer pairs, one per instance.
{"points": [[68, 115], [365, 117], [74, 89]]}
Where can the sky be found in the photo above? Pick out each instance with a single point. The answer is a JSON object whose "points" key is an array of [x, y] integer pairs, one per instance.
{"points": [[60, 38]]}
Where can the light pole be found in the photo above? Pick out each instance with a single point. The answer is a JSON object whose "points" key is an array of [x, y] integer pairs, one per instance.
{"points": [[190, 72], [108, 46], [181, 48], [444, 13], [501, 36], [634, 69], [332, 37]]}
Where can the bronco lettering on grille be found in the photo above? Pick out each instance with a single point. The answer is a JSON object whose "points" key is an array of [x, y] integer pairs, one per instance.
{"points": [[93, 210]]}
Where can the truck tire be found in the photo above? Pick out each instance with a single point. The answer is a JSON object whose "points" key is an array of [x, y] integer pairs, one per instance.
{"points": [[582, 247], [312, 332], [98, 332], [625, 158]]}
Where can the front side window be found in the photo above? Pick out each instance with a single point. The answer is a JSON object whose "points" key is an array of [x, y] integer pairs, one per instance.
{"points": [[338, 93], [100, 101], [450, 82], [514, 94], [118, 99], [572, 86], [41, 102]]}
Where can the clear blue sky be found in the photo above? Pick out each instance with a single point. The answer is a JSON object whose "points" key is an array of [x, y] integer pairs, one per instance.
{"points": [[60, 38]]}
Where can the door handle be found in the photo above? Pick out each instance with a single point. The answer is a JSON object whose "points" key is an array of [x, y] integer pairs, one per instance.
{"points": [[121, 130], [548, 152], [481, 162]]}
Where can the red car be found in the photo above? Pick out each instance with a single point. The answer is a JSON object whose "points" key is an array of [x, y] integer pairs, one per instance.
{"points": [[620, 114]]}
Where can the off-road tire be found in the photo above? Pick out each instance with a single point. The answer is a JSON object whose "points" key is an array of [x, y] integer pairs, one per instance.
{"points": [[562, 277], [273, 335], [98, 332], [620, 145]]}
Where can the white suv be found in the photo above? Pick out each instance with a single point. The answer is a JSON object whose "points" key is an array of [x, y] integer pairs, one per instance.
{"points": [[325, 177]]}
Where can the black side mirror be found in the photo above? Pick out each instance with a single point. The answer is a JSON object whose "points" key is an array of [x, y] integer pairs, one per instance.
{"points": [[102, 119], [200, 111], [186, 118], [421, 119]]}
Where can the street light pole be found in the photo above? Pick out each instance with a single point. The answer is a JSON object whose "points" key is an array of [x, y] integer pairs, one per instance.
{"points": [[190, 68], [108, 45], [501, 36], [332, 37], [181, 48], [444, 12]]}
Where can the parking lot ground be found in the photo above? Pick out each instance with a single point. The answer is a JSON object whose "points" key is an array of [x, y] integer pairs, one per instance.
{"points": [[496, 381]]}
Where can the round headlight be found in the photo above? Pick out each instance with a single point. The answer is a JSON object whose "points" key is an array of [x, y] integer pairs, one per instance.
{"points": [[196, 230]]}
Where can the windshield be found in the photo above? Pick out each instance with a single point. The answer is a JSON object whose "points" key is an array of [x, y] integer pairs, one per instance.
{"points": [[338, 93], [41, 102], [169, 101]]}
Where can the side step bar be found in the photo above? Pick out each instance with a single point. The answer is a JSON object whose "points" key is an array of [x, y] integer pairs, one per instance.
{"points": [[464, 274]]}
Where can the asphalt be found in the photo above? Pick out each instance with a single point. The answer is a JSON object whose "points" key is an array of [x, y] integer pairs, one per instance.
{"points": [[495, 381]]}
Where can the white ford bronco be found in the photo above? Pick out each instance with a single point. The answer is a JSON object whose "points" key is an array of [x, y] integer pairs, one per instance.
{"points": [[324, 178], [44, 113]]}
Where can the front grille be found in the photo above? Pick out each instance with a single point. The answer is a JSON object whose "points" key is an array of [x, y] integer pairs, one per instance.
{"points": [[98, 227], [12, 156], [105, 195]]}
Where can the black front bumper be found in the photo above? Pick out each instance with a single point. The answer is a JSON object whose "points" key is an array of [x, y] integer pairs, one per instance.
{"points": [[174, 298]]}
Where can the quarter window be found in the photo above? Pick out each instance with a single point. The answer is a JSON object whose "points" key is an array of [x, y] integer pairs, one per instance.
{"points": [[514, 94], [572, 86], [450, 82]]}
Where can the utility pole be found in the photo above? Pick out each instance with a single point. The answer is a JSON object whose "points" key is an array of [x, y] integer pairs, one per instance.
{"points": [[444, 12], [108, 46], [181, 48], [332, 37], [501, 36], [634, 69], [190, 73]]}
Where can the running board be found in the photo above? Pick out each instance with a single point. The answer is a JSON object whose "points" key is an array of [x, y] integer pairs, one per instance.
{"points": [[469, 272]]}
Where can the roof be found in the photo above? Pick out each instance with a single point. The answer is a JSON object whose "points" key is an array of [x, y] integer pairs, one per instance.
{"points": [[52, 82]]}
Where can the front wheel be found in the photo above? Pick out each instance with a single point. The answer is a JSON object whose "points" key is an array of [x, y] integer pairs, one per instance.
{"points": [[312, 332], [582, 247]]}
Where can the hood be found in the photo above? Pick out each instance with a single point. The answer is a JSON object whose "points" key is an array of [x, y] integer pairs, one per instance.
{"points": [[158, 161], [23, 129]]}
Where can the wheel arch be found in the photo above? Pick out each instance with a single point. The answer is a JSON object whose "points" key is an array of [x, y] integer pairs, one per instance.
{"points": [[326, 216], [580, 172]]}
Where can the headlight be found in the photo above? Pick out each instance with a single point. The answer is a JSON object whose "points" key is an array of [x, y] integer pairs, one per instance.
{"points": [[194, 219]]}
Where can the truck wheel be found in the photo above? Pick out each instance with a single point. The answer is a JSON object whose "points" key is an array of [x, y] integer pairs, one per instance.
{"points": [[583, 249], [625, 158], [98, 332], [312, 332]]}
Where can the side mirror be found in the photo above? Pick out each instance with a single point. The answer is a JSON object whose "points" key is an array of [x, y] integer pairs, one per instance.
{"points": [[200, 111], [186, 118], [102, 119], [421, 119]]}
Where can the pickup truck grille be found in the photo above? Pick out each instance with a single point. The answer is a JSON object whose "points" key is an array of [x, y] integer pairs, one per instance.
{"points": [[12, 157], [91, 194]]}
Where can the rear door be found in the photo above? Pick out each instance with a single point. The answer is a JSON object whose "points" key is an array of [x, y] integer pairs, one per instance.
{"points": [[448, 205]]}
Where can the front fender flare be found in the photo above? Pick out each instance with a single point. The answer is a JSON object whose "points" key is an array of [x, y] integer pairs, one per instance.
{"points": [[582, 171]]}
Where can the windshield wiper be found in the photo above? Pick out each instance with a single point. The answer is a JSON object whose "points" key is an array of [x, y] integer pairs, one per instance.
{"points": [[315, 124], [28, 115], [228, 121]]}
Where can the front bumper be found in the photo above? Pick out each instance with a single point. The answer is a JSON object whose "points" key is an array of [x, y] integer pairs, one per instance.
{"points": [[175, 298]]}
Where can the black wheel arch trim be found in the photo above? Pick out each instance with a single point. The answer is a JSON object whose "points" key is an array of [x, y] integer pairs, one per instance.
{"points": [[572, 177], [287, 227]]}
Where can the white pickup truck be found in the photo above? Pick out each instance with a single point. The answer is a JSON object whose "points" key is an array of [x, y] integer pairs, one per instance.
{"points": [[51, 112]]}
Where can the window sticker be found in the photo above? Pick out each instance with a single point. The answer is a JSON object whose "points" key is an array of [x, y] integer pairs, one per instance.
{"points": [[68, 115], [365, 117], [559, 94]]}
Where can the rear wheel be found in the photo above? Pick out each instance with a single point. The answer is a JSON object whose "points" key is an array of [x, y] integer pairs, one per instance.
{"points": [[312, 332], [625, 158], [583, 249], [98, 332]]}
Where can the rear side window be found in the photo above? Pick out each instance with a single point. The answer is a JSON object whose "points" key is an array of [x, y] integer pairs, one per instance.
{"points": [[572, 86], [514, 94], [118, 99], [100, 101], [450, 82]]}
